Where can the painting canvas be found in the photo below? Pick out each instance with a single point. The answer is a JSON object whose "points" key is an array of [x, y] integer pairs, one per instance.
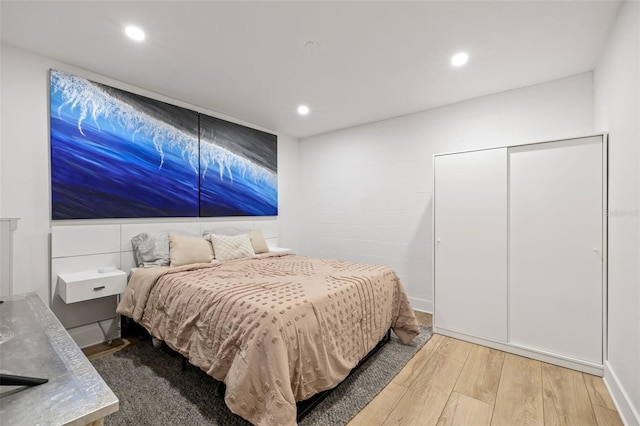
{"points": [[238, 170], [115, 154]]}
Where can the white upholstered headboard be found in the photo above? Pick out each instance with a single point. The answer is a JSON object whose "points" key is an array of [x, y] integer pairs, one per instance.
{"points": [[79, 248]]}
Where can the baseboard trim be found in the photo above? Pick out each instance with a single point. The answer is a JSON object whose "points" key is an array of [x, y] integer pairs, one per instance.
{"points": [[551, 358], [92, 334], [422, 305], [628, 413]]}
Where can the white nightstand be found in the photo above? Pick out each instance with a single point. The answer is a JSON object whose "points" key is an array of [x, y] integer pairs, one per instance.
{"points": [[87, 285]]}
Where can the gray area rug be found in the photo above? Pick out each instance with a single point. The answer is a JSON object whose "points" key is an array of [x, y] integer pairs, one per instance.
{"points": [[153, 390]]}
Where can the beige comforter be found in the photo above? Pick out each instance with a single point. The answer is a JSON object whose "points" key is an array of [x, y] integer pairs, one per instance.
{"points": [[275, 329]]}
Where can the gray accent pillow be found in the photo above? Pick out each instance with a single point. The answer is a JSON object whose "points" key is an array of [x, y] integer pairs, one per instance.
{"points": [[151, 249]]}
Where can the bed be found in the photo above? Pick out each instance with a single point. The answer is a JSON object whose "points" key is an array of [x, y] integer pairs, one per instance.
{"points": [[275, 328]]}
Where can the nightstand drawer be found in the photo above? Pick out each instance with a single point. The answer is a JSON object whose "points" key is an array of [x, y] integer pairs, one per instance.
{"points": [[79, 286]]}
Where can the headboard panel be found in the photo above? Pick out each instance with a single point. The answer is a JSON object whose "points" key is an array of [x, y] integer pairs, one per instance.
{"points": [[79, 248], [67, 241], [128, 231]]}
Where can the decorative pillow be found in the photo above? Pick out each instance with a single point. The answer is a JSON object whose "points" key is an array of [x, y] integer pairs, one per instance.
{"points": [[228, 247], [258, 242], [185, 250], [151, 249]]}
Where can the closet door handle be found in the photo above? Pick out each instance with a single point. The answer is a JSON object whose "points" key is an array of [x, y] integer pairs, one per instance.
{"points": [[597, 252]]}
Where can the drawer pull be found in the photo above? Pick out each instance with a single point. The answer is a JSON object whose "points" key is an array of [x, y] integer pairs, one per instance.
{"points": [[99, 288]]}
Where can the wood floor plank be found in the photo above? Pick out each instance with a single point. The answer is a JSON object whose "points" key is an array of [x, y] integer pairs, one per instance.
{"points": [[464, 410], [451, 382], [428, 395], [566, 399], [481, 374], [455, 348], [519, 399], [103, 349], [414, 367], [598, 392], [607, 417], [377, 411], [424, 318]]}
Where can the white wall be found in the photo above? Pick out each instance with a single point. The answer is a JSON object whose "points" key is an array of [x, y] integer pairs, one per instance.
{"points": [[24, 167], [366, 191], [617, 98]]}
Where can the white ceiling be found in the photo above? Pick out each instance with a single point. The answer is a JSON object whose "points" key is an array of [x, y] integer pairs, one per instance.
{"points": [[375, 60]]}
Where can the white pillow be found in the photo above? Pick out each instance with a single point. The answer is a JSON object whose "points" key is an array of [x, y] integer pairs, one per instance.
{"points": [[185, 250], [257, 240], [231, 247]]}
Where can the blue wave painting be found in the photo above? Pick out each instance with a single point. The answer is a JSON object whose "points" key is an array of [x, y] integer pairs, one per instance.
{"points": [[115, 154], [238, 170]]}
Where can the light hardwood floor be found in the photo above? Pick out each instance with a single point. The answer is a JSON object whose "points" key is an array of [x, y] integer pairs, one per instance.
{"points": [[452, 382]]}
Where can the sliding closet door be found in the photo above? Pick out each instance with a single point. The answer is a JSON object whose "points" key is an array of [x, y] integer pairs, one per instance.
{"points": [[470, 219], [555, 247]]}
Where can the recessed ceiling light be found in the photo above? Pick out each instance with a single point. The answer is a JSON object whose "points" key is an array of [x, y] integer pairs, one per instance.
{"points": [[459, 59], [134, 33], [303, 110]]}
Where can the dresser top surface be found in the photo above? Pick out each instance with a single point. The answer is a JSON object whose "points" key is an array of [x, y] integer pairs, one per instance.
{"points": [[33, 343]]}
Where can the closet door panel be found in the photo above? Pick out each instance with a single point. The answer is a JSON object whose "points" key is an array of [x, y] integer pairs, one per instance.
{"points": [[470, 220], [555, 247]]}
